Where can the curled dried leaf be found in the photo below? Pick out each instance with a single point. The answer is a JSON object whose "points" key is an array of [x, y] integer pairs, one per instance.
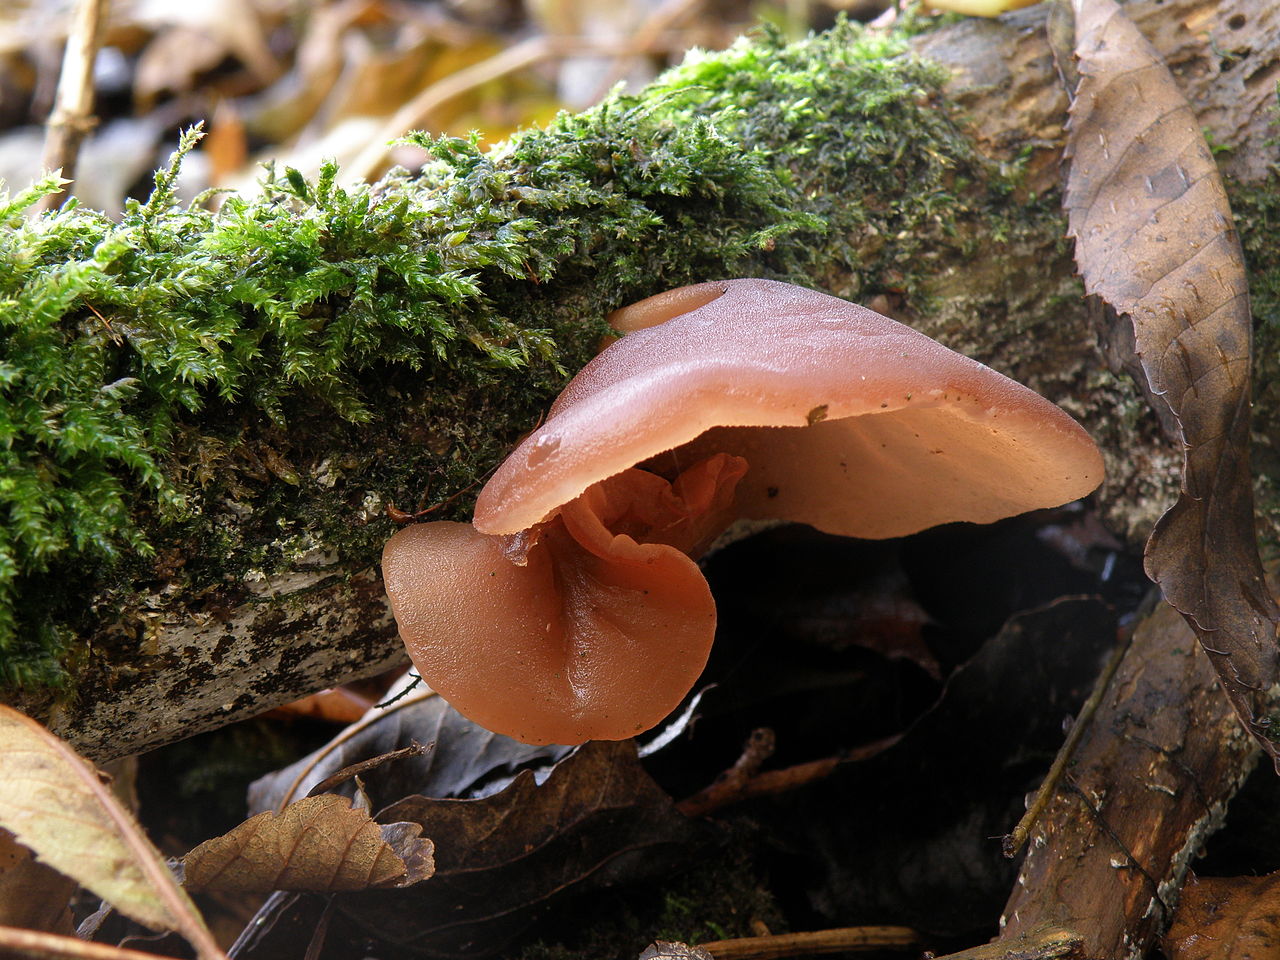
{"points": [[318, 844], [598, 820], [1155, 241]]}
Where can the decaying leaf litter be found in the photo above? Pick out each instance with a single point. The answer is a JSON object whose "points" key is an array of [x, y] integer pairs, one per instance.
{"points": [[1142, 869], [56, 804], [1226, 917]]}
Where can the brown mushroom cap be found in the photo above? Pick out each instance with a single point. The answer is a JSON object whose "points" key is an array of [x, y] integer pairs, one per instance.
{"points": [[900, 433], [597, 635], [572, 610]]}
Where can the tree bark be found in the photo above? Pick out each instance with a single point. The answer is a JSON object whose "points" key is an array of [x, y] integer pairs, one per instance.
{"points": [[1150, 781], [231, 650]]}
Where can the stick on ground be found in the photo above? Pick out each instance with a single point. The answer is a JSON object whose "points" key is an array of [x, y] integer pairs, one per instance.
{"points": [[72, 117]]}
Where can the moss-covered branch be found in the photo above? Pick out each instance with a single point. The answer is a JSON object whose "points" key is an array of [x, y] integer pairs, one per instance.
{"points": [[154, 369], [205, 414]]}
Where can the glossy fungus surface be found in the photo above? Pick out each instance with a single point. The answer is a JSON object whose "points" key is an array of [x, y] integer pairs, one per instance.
{"points": [[574, 609]]}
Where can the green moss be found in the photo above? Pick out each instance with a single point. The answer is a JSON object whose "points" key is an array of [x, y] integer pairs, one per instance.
{"points": [[720, 898], [860, 128], [1256, 209], [189, 397]]}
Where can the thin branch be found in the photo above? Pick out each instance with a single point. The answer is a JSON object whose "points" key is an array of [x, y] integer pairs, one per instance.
{"points": [[816, 943], [396, 703], [415, 749], [744, 780], [15, 942], [1045, 942], [1048, 788], [72, 116]]}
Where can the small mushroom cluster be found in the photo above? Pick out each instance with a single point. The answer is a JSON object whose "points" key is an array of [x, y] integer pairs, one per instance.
{"points": [[574, 608]]}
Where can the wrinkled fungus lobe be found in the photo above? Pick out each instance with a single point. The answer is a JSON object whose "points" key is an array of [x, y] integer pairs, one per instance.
{"points": [[574, 609]]}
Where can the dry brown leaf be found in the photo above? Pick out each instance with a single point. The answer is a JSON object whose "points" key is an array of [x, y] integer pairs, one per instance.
{"points": [[1226, 918], [55, 804], [598, 820], [173, 63], [289, 105], [235, 24], [465, 760], [32, 895], [318, 844], [1155, 241]]}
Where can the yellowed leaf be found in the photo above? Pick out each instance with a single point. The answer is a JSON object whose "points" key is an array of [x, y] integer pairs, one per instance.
{"points": [[977, 8], [56, 805], [225, 144], [317, 844]]}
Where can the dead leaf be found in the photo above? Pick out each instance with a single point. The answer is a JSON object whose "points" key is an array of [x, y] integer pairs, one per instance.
{"points": [[287, 106], [318, 844], [1226, 918], [235, 24], [55, 804], [174, 62], [924, 855], [597, 821], [880, 614], [1155, 241], [337, 705], [598, 818], [667, 950], [32, 896], [463, 759]]}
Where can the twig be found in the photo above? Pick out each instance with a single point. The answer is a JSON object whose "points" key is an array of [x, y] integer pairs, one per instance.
{"points": [[1127, 797], [354, 770], [414, 680], [729, 786], [839, 940], [742, 781], [15, 942], [320, 933], [758, 748], [1048, 788], [415, 114], [72, 115], [370, 718]]}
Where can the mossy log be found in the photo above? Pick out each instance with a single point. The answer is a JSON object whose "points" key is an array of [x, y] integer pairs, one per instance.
{"points": [[279, 372]]}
